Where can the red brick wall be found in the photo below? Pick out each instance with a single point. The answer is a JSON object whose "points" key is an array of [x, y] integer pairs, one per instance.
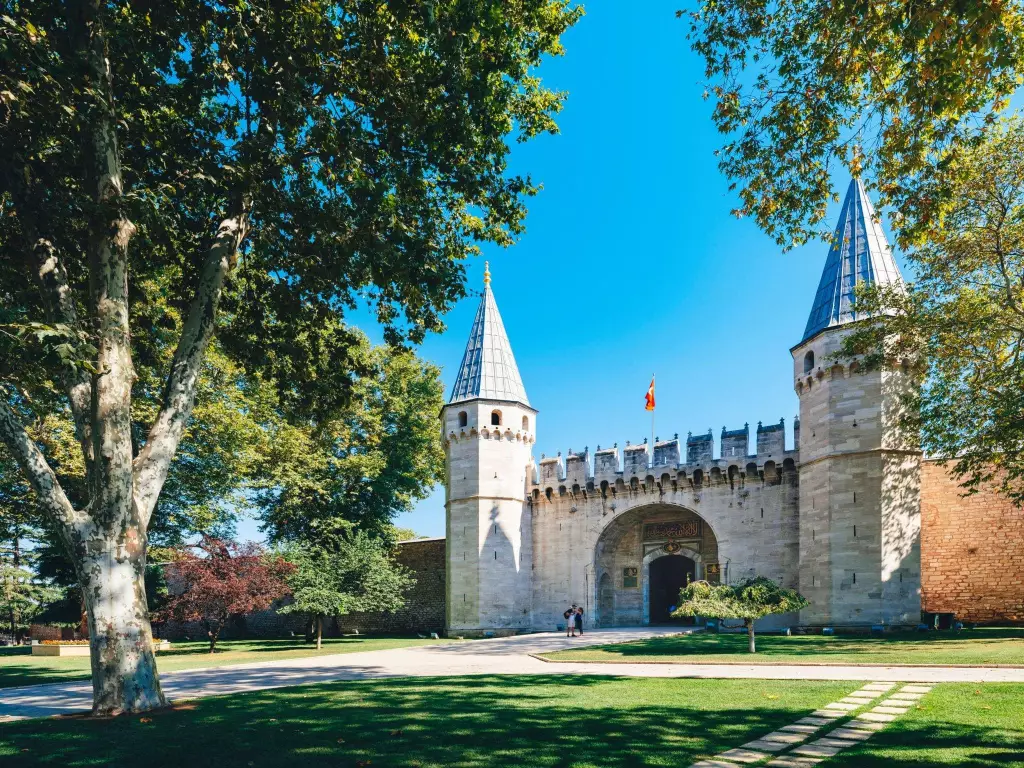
{"points": [[972, 551]]}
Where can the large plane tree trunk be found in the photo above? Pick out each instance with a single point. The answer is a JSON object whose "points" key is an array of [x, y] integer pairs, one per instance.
{"points": [[124, 675]]}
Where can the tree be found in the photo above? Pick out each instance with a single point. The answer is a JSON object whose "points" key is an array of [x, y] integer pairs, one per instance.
{"points": [[363, 462], [171, 169], [22, 594], [352, 573], [963, 319], [750, 600], [225, 580], [399, 533], [895, 91]]}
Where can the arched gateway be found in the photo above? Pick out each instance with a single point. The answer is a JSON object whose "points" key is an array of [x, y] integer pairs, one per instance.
{"points": [[834, 512], [644, 557]]}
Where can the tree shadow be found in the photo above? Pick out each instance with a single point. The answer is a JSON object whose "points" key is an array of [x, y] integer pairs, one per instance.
{"points": [[576, 722]]}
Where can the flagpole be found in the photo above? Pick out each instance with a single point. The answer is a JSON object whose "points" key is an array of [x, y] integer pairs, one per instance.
{"points": [[652, 424]]}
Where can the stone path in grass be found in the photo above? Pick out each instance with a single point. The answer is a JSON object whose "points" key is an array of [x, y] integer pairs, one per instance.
{"points": [[498, 656], [809, 740]]}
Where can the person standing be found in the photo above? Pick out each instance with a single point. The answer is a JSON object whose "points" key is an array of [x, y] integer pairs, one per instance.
{"points": [[579, 619]]}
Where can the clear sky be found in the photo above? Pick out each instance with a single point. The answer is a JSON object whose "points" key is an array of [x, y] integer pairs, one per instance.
{"points": [[632, 263]]}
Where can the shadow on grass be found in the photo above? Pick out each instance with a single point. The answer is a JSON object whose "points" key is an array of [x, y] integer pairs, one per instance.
{"points": [[468, 722], [926, 745]]}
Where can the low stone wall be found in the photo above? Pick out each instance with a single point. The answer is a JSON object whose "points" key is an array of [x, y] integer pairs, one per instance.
{"points": [[424, 606], [972, 551]]}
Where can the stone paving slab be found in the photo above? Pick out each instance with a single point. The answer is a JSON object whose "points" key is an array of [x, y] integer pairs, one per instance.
{"points": [[789, 737], [890, 710], [816, 720], [805, 729], [844, 706], [765, 745], [877, 717], [915, 689], [794, 761], [829, 741], [860, 701], [740, 755], [864, 725], [878, 687], [816, 750], [713, 764], [830, 713], [850, 734]]}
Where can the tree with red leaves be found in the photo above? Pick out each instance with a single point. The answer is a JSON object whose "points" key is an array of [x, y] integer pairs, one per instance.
{"points": [[223, 580]]}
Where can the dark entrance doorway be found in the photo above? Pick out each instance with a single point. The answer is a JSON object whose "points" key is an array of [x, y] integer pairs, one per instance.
{"points": [[668, 575]]}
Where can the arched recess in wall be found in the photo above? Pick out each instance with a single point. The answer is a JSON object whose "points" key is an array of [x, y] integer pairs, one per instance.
{"points": [[463, 419], [809, 361], [495, 418], [526, 423], [616, 553]]}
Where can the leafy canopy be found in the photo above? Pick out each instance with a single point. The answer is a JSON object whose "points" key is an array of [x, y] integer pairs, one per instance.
{"points": [[222, 580], [893, 90], [963, 318], [352, 573], [749, 600]]}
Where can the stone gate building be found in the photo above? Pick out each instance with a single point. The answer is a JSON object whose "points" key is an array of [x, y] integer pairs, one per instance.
{"points": [[837, 516]]}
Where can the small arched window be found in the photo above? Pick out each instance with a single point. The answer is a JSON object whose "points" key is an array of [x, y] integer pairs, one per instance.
{"points": [[526, 423], [463, 418], [809, 361], [495, 418]]}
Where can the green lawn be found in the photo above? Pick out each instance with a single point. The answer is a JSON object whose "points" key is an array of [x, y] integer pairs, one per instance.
{"points": [[975, 646], [470, 722], [978, 726], [19, 667]]}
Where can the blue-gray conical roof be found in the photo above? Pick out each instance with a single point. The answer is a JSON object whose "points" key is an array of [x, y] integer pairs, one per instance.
{"points": [[859, 255], [488, 370]]}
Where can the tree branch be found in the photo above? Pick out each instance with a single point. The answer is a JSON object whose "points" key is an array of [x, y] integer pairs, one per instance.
{"points": [[60, 308], [50, 495], [154, 461]]}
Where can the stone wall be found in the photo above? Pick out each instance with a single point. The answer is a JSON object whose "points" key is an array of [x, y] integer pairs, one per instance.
{"points": [[972, 551], [424, 606]]}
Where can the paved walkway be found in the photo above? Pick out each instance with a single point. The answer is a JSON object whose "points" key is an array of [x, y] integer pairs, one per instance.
{"points": [[505, 656]]}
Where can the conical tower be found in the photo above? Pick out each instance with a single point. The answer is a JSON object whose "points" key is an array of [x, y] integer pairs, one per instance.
{"points": [[489, 432], [859, 476]]}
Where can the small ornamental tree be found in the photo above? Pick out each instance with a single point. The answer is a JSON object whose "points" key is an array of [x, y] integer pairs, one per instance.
{"points": [[226, 579], [749, 601], [348, 573]]}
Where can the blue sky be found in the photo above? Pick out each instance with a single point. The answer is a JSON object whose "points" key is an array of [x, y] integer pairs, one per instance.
{"points": [[632, 263]]}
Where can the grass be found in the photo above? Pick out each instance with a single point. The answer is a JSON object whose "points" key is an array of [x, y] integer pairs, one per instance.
{"points": [[979, 647], [470, 722], [976, 726], [19, 667]]}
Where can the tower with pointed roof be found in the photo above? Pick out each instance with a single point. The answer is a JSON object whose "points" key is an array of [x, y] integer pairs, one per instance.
{"points": [[859, 477], [489, 429]]}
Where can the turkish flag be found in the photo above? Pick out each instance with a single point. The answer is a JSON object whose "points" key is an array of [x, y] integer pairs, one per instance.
{"points": [[649, 397]]}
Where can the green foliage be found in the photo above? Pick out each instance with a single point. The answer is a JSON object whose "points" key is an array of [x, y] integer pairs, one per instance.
{"points": [[22, 594], [352, 573], [369, 144], [749, 600], [405, 534], [961, 323], [365, 462], [898, 91]]}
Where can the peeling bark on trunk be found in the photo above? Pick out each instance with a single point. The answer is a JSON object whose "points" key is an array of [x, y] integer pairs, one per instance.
{"points": [[124, 675], [319, 632], [750, 637]]}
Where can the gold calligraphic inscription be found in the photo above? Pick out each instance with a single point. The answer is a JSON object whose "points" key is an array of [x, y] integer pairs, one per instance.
{"points": [[713, 573], [687, 529]]}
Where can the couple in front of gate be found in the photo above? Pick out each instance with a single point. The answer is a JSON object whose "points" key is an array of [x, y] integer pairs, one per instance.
{"points": [[573, 620]]}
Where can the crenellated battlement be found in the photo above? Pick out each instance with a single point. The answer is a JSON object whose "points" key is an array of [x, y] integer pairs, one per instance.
{"points": [[701, 465]]}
